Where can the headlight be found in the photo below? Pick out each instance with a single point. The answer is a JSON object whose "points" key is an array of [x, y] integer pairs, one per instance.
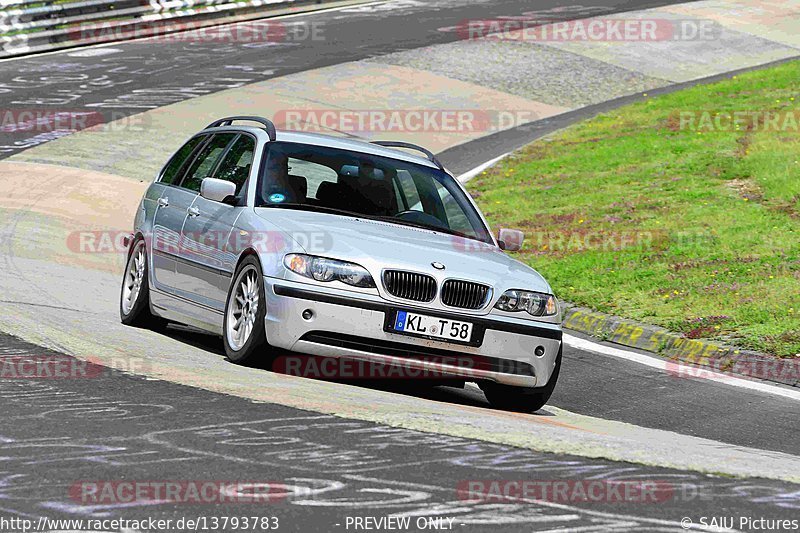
{"points": [[323, 269], [535, 303]]}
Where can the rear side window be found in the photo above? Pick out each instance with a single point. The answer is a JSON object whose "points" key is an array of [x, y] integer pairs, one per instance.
{"points": [[236, 165], [172, 170], [206, 161]]}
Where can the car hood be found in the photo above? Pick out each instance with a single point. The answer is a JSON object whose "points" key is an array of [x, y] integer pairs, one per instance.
{"points": [[377, 245]]}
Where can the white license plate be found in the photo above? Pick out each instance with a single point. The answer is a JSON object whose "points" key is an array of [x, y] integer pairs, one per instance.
{"points": [[429, 326]]}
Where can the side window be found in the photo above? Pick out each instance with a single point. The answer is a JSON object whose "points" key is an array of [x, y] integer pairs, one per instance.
{"points": [[206, 160], [173, 168], [236, 165]]}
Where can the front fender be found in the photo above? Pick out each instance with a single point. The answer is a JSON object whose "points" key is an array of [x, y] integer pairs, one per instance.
{"points": [[255, 235]]}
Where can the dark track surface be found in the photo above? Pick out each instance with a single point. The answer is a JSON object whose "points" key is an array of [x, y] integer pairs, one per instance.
{"points": [[146, 75], [61, 435]]}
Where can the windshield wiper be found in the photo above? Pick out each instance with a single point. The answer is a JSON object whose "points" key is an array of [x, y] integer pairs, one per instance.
{"points": [[439, 229], [421, 225], [317, 208], [402, 222]]}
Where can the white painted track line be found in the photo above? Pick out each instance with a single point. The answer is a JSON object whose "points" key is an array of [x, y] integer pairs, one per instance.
{"points": [[670, 366], [466, 176]]}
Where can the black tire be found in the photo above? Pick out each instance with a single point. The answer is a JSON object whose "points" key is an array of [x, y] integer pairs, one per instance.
{"points": [[137, 312], [255, 346], [521, 399]]}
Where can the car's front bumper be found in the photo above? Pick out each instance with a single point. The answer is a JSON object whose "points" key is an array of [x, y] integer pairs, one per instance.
{"points": [[353, 327]]}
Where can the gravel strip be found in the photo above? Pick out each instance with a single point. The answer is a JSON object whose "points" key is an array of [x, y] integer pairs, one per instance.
{"points": [[529, 70]]}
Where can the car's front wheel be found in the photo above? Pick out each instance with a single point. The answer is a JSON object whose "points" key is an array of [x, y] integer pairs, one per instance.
{"points": [[243, 329], [525, 400]]}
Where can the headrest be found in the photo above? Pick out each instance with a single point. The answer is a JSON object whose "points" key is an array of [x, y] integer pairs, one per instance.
{"points": [[364, 171], [328, 193], [368, 196], [299, 186]]}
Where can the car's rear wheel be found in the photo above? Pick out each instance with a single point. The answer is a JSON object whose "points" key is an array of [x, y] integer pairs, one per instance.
{"points": [[243, 329], [134, 301], [522, 399]]}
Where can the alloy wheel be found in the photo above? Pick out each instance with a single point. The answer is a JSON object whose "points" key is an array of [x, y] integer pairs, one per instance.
{"points": [[134, 277], [243, 309]]}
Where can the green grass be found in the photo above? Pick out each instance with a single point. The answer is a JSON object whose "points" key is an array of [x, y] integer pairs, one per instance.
{"points": [[695, 230]]}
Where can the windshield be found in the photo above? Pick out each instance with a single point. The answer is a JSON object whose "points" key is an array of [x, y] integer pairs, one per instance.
{"points": [[300, 176]]}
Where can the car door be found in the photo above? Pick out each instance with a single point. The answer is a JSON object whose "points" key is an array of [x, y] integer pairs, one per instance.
{"points": [[170, 214], [207, 264]]}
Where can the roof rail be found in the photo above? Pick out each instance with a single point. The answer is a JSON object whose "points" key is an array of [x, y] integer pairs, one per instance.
{"points": [[400, 144], [267, 123]]}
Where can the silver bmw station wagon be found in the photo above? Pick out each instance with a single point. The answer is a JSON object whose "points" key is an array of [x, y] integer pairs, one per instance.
{"points": [[341, 248]]}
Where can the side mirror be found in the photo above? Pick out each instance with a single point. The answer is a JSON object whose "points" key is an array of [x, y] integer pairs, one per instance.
{"points": [[510, 240], [217, 190]]}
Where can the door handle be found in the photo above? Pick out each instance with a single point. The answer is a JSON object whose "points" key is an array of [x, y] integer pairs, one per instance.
{"points": [[193, 212], [163, 202]]}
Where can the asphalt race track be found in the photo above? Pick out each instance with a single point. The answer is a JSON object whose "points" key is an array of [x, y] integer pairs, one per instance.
{"points": [[61, 436], [332, 451]]}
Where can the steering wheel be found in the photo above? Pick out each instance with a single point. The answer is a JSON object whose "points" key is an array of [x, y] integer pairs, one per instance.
{"points": [[420, 217]]}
